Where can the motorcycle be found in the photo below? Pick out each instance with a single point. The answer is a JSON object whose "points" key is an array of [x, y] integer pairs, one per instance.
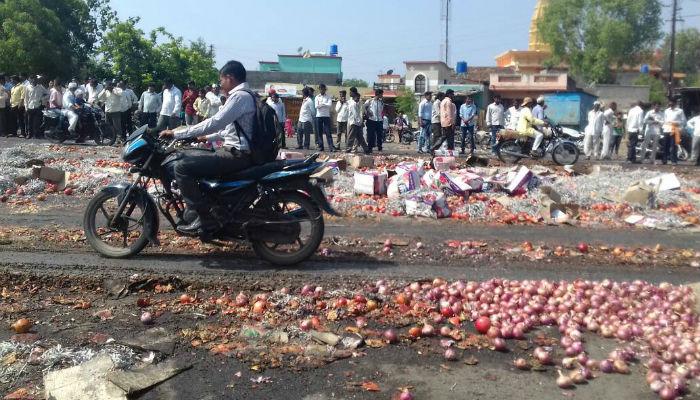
{"points": [[683, 152], [92, 124], [510, 150], [276, 207]]}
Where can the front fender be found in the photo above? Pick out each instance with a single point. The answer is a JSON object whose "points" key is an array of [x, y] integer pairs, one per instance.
{"points": [[145, 200]]}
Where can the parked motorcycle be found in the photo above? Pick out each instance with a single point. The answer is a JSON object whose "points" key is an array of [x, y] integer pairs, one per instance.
{"points": [[277, 207], [510, 150], [92, 125], [684, 148]]}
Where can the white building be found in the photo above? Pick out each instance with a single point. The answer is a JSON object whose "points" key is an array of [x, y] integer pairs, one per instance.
{"points": [[422, 76]]}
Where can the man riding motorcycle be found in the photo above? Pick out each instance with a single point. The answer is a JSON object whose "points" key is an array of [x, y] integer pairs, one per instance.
{"points": [[527, 124], [70, 108], [237, 114]]}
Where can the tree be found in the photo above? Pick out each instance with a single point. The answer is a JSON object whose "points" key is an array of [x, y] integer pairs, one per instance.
{"points": [[128, 54], [687, 51], [355, 82], [406, 104], [594, 36], [657, 90]]}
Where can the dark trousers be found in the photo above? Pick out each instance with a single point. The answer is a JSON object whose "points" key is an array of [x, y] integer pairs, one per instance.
{"points": [[633, 138], [304, 130], [355, 138], [494, 136], [283, 137], [670, 150], [151, 119], [127, 123], [16, 121], [342, 130], [324, 129], [3, 122], [34, 123], [114, 119], [468, 134], [196, 165], [167, 122], [617, 139], [375, 134], [446, 134]]}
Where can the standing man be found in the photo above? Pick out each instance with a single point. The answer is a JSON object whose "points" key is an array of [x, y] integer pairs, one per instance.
{"points": [[17, 111], [150, 104], [593, 131], [35, 99], [374, 112], [93, 90], [341, 111], [495, 120], [56, 95], [4, 106], [323, 103], [513, 116], [201, 105], [694, 126], [635, 124], [425, 111], [435, 127], [538, 110], [448, 115], [468, 113], [276, 103], [306, 119], [188, 99], [129, 102], [111, 97], [653, 119], [172, 105], [215, 102], [355, 119], [608, 126], [674, 123]]}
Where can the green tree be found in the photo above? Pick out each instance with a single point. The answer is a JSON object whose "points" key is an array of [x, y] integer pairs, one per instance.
{"points": [[355, 82], [128, 54], [593, 36], [687, 51], [406, 104], [657, 90]]}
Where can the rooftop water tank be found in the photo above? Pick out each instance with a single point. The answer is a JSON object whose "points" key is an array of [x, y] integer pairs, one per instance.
{"points": [[462, 67], [334, 50]]}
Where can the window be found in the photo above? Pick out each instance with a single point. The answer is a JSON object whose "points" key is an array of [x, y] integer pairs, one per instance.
{"points": [[420, 84]]}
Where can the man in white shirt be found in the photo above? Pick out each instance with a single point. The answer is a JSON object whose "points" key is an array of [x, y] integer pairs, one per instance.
{"points": [[495, 119], [593, 132], [235, 155], [341, 112], [653, 120], [634, 126], [111, 97], [93, 89], [69, 109], [276, 103], [694, 127], [374, 113], [355, 136], [513, 116], [214, 100], [425, 112], [36, 98], [435, 127], [608, 121], [323, 103], [4, 107], [172, 105], [150, 104], [306, 119], [674, 123], [129, 103]]}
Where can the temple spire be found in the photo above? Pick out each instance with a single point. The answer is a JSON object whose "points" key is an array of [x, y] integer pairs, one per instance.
{"points": [[536, 43]]}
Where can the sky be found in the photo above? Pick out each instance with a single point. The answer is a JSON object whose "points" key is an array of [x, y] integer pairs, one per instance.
{"points": [[373, 36]]}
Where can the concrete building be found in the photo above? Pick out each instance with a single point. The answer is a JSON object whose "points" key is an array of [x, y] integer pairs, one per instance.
{"points": [[422, 76], [306, 69]]}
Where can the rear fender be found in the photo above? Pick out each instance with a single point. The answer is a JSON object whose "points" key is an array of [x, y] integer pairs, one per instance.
{"points": [[291, 174], [144, 199]]}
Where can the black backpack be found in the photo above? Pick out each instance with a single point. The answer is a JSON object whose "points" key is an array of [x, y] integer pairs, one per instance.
{"points": [[266, 137]]}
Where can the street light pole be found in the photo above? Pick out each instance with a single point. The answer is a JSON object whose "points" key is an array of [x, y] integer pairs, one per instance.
{"points": [[672, 55]]}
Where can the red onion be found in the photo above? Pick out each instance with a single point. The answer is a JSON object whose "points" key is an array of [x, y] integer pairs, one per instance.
{"points": [[564, 381], [390, 336], [428, 330], [656, 386], [606, 366], [667, 393], [147, 318], [521, 363], [620, 367], [361, 322], [445, 330], [500, 344], [451, 354], [406, 395]]}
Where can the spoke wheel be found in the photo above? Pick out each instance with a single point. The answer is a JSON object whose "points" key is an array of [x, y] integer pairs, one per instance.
{"points": [[116, 237], [302, 223], [565, 153], [508, 151], [105, 135]]}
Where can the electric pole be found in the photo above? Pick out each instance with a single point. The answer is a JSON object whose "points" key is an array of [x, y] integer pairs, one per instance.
{"points": [[447, 33], [672, 55]]}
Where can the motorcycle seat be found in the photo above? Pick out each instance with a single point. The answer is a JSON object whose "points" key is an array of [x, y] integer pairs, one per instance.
{"points": [[254, 173]]}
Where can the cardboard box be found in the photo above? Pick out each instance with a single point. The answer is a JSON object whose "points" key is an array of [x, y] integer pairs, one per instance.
{"points": [[444, 163], [53, 175], [325, 174], [446, 153], [361, 161], [640, 194], [521, 178], [339, 163], [370, 182], [664, 182], [403, 183], [553, 210], [429, 205], [290, 155]]}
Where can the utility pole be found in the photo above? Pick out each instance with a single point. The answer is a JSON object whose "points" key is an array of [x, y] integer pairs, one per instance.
{"points": [[672, 55], [447, 32], [211, 50]]}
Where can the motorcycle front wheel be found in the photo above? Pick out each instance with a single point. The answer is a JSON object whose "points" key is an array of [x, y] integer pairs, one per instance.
{"points": [[565, 153], [55, 135], [117, 238], [304, 219]]}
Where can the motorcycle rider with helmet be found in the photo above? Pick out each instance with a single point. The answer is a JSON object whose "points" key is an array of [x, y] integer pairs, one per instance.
{"points": [[237, 114]]}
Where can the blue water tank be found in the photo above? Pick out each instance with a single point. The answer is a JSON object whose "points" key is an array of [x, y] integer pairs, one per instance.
{"points": [[462, 67], [334, 50], [644, 69]]}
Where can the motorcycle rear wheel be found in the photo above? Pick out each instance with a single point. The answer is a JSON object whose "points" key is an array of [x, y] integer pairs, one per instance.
{"points": [[294, 205], [105, 135], [565, 153], [506, 149]]}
